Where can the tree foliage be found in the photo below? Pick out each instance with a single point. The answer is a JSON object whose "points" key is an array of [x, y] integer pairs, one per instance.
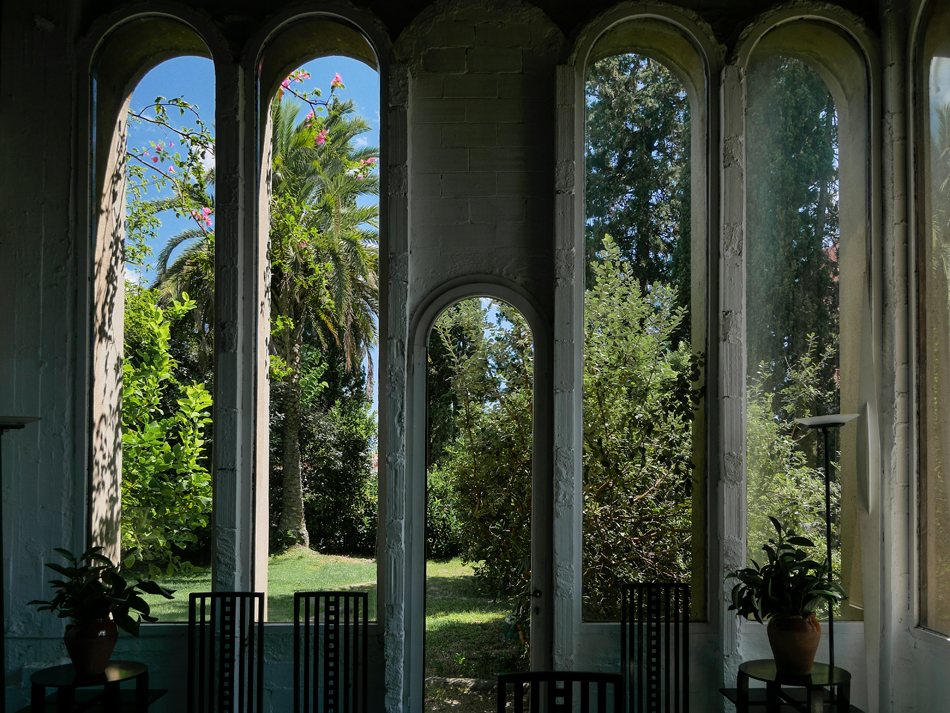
{"points": [[337, 437], [782, 480], [641, 390], [166, 486], [638, 169], [166, 411], [642, 382], [485, 474], [792, 277], [324, 263]]}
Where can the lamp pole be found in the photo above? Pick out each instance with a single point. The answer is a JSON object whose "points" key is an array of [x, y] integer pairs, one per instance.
{"points": [[824, 424], [7, 423]]}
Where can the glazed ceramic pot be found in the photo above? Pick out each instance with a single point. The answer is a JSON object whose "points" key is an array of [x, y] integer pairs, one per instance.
{"points": [[794, 642], [89, 643]]}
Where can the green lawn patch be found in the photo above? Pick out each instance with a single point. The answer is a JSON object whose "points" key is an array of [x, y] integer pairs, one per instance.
{"points": [[464, 626], [296, 570], [303, 570]]}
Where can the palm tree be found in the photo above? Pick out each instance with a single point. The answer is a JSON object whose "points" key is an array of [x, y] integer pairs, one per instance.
{"points": [[323, 250], [323, 263], [192, 272]]}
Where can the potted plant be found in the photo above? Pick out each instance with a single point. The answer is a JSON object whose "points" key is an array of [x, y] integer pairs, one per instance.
{"points": [[98, 599], [786, 591]]}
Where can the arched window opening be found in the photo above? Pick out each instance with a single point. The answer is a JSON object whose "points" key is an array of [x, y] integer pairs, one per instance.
{"points": [[792, 293], [806, 243], [150, 496], [168, 362], [933, 275], [480, 379], [322, 256], [644, 333]]}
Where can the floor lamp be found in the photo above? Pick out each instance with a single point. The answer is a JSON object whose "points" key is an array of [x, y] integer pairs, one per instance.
{"points": [[7, 423], [825, 424]]}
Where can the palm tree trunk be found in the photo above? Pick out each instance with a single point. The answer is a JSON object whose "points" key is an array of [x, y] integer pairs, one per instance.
{"points": [[292, 522]]}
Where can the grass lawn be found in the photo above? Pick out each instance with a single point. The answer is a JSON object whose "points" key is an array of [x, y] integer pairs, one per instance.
{"points": [[463, 626], [295, 570]]}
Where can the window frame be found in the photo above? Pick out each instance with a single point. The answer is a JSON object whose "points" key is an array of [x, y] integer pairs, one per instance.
{"points": [[854, 55], [595, 642], [842, 81], [676, 52]]}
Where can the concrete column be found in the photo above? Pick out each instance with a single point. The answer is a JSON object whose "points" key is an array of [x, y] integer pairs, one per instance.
{"points": [[237, 316], [394, 326], [897, 676], [568, 491], [728, 484]]}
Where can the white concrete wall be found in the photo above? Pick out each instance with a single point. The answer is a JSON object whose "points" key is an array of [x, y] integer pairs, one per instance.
{"points": [[43, 290]]}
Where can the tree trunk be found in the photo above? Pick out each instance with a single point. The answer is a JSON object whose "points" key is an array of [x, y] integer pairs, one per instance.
{"points": [[292, 525]]}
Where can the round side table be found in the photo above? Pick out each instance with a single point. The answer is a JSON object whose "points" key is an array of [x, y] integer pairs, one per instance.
{"points": [[65, 681], [822, 676]]}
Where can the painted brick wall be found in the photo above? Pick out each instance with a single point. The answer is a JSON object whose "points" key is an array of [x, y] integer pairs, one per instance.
{"points": [[481, 147]]}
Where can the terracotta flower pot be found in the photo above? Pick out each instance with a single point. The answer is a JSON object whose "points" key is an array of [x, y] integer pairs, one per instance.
{"points": [[89, 643], [794, 642]]}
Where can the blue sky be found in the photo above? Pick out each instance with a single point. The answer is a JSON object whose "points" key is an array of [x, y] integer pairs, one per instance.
{"points": [[193, 79]]}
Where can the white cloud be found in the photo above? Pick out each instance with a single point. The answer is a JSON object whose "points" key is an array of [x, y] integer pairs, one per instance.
{"points": [[361, 142]]}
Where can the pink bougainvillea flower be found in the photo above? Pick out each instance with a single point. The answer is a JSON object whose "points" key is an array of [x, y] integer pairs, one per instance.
{"points": [[337, 81], [286, 83], [171, 169], [154, 159], [321, 138], [372, 159]]}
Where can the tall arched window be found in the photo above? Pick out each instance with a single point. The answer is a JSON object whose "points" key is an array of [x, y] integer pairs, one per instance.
{"points": [[480, 422], [644, 316], [150, 456], [168, 361], [806, 258], [318, 239]]}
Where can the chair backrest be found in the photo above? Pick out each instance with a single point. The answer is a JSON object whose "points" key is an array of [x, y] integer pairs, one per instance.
{"points": [[561, 692], [330, 652], [225, 652], [654, 648]]}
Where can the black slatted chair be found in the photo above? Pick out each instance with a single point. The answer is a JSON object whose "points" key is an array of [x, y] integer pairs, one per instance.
{"points": [[330, 652], [654, 648], [225, 652], [561, 692]]}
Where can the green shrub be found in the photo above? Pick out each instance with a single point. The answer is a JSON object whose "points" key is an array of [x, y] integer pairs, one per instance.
{"points": [[443, 527]]}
